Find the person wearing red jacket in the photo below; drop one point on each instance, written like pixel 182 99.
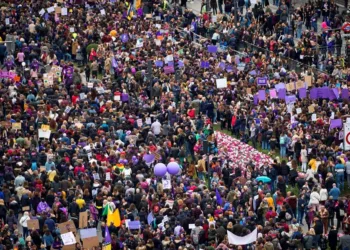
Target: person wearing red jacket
pixel 270 214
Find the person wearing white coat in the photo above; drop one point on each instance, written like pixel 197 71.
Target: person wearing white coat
pixel 24 223
pixel 323 195
pixel 315 200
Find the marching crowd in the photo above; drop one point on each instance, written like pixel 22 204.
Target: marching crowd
pixel 95 94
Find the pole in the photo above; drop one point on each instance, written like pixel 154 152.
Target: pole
pixel 235 2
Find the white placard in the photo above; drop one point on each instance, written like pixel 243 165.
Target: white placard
pixel 68 238
pixel 87 233
pixel 191 226
pixel 7 21
pixel 51 9
pixel 108 176
pixel 117 98
pixel 166 184
pixel 44 134
pixel 148 120
pixel 139 43
pixel 313 117
pixel 170 58
pixel 64 12
pixel 221 83
pixel 170 203
pixel 298 110
pixel 103 12
pixel 346 136
pixel 90 85
pixel 42 12
pixel 71 29
pixel 214 19
pixel 332 115
pixel 139 123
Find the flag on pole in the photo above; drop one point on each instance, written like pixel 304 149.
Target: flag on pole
pixel 116 216
pixel 106 210
pixel 150 218
pixel 218 198
pixel 107 236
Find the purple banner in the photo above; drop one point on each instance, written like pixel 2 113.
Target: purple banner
pixel 256 100
pixel 302 93
pixel 282 94
pixel 313 94
pixel 345 94
pixel 262 81
pixel 212 49
pixel 336 123
pixel 204 65
pixel 279 86
pixel 168 70
pixel 291 98
pixel 159 63
pixel 262 95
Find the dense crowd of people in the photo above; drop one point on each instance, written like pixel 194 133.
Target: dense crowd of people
pixel 94 94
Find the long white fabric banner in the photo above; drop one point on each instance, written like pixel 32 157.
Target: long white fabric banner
pixel 245 240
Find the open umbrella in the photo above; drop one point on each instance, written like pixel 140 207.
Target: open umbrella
pixel 263 179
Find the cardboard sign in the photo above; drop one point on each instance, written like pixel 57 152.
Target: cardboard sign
pixel 6 124
pixel 26 208
pixel 91 242
pixel 69 247
pixel 290 86
pixel 42 169
pixel 33 224
pixel 249 91
pixel 308 80
pixel 16 125
pixel 83 219
pixel 67 227
pixel 300 85
pixel 311 109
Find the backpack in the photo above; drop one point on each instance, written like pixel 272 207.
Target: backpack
pixel 201 237
pixel 282 140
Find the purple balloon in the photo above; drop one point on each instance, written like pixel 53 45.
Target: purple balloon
pixel 173 168
pixel 159 169
pixel 121 161
pixel 148 158
pixel 125 38
pixel 125 161
pixel 134 157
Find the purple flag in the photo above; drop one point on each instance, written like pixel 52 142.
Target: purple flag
pixel 134 224
pixel 181 64
pixel 107 235
pixel 140 12
pixel 171 63
pixel 150 218
pixel 218 198
pixel 291 98
pixel 168 69
pixel 331 95
pixel 159 63
pixel 344 94
pixel 336 92
pixel 256 100
pixel 282 94
pixel 229 68
pixel 262 95
pixel 336 123
pixel 212 49
pixel 222 65
pixel 302 93
pixel 253 73
pixel 313 94
pixel 204 65
pixel 323 92
pixel 262 81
